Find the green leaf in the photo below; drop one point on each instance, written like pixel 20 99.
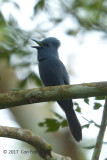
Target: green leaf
pixel 39 5
pixel 97 105
pixel 41 124
pixel 76 104
pixel 86 100
pixel 51 124
pixel 78 109
pixel 100 98
pixel 86 126
pixel 64 123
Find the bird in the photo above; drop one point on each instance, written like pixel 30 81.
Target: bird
pixel 52 73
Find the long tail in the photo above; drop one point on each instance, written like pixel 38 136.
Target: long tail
pixel 72 119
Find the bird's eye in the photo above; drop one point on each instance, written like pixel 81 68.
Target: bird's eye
pixel 46 44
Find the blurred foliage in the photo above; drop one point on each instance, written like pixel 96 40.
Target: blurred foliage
pixel 88 15
pixel 39 5
pixel 97 105
pixel 89 122
pixel 15 49
pixel 78 109
pixel 53 124
pixel 100 98
pixel 86 100
pixel 2 2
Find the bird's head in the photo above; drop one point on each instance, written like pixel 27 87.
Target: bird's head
pixel 47 43
pixel 47 48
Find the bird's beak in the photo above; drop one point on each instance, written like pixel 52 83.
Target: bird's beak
pixel 38 42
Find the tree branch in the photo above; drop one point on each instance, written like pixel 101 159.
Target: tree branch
pixel 43 149
pixel 100 137
pixel 44 94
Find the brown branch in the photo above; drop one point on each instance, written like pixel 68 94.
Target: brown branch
pixel 44 94
pixel 100 136
pixel 43 149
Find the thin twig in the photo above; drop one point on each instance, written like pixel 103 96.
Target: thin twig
pixel 100 137
pixel 91 121
pixel 92 146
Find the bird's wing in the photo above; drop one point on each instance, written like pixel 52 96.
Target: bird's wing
pixel 64 74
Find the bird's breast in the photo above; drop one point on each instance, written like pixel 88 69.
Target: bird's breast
pixel 50 72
